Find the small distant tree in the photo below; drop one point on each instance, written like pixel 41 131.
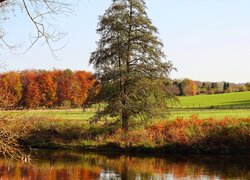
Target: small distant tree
pixel 203 85
pixel 242 88
pixel 189 87
pixel 214 85
pixel 247 86
pixel 174 88
pixel 226 87
pixel 129 64
pixel 193 87
pixel 214 89
pixel 203 88
pixel 180 87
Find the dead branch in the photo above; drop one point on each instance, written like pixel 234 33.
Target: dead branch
pixel 41 13
pixel 14 128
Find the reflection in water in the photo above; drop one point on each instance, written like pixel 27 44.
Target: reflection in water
pixel 72 165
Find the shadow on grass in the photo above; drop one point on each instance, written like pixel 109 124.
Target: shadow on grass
pixel 236 104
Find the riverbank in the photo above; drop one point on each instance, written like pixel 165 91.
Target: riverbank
pixel 193 136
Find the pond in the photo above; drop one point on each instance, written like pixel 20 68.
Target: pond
pixel 74 165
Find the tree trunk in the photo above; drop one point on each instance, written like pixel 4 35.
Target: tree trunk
pixel 125 116
pixel 124 120
pixel 124 113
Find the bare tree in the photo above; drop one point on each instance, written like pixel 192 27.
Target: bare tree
pixel 14 128
pixel 41 14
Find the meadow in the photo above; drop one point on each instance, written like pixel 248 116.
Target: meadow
pixel 236 100
pixel 235 105
pixel 195 130
pixel 78 114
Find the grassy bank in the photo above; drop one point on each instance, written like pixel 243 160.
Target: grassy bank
pixel 193 135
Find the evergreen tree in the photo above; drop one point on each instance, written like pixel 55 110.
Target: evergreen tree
pixel 203 86
pixel 129 63
pixel 214 85
pixel 226 87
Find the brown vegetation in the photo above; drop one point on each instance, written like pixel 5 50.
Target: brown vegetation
pixel 14 129
pixel 193 135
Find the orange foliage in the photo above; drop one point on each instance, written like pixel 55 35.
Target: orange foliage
pixel 193 87
pixel 227 133
pixel 10 89
pixel 31 92
pixel 32 89
pixel 47 88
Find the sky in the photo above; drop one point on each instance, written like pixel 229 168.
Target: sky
pixel 206 40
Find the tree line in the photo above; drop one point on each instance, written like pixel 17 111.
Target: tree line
pixel 188 87
pixel 32 89
pixel 38 88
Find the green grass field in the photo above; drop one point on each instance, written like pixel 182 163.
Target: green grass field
pixel 229 100
pixel 80 115
pixel 74 114
pixel 231 105
pixel 214 113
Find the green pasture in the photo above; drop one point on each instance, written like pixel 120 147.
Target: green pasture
pixel 228 100
pixel 223 105
pixel 74 114
pixel 185 113
pixel 214 113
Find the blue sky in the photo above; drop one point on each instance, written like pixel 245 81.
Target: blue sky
pixel 207 40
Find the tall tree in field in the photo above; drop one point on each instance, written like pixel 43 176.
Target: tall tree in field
pixel 129 63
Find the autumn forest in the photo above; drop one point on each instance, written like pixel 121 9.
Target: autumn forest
pixel 32 89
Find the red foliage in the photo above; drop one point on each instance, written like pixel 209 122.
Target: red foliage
pixel 64 81
pixel 31 89
pixel 47 88
pixel 31 92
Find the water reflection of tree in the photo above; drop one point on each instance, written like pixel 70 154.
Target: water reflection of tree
pixel 90 166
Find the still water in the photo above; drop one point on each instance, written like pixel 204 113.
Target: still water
pixel 74 165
